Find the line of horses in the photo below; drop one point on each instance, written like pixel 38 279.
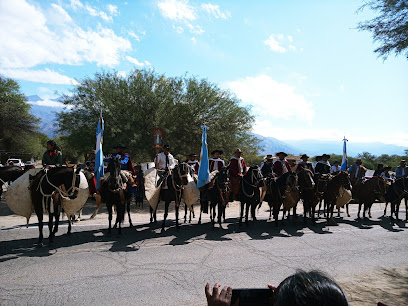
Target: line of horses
pixel 281 193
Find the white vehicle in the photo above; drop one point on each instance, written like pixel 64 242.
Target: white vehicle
pixel 14 162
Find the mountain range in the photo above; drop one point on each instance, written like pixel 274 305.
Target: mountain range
pixel 46 110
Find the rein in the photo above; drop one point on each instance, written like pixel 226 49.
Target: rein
pixel 250 184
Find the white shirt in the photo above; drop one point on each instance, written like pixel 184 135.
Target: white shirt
pixel 161 161
pixel 335 169
pixel 216 160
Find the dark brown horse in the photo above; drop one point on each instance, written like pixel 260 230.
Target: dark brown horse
pixel 321 181
pixel 332 193
pixel 249 193
pixel 307 193
pixel 47 188
pixel 397 191
pixel 10 174
pixel 367 191
pixel 175 184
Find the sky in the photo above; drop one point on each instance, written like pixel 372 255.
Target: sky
pixel 302 66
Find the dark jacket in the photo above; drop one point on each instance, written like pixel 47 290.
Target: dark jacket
pixel 52 158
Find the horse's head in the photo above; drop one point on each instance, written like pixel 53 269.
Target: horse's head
pixel 255 176
pixel 66 177
pixel 380 187
pixel 180 173
pixel 115 179
pixel 305 178
pixel 345 178
pixel 291 179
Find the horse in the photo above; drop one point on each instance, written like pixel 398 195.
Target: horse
pixel 10 174
pixel 176 180
pixel 276 192
pixel 332 193
pixel 395 193
pixel 321 181
pixel 47 189
pixel 249 194
pixel 367 191
pixel 307 193
pixel 113 193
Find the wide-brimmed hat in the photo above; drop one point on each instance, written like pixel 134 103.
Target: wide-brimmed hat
pixel 269 157
pixel 215 151
pixel 326 155
pixel 304 155
pixel 279 153
pixel 238 150
pixel 166 146
pixel 192 154
pixel 402 161
pixel 119 145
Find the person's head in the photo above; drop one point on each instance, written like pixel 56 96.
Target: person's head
pixel 359 161
pixel 192 156
pixel 281 155
pixel 269 158
pixel 216 153
pixel 325 157
pixel 51 145
pixel 318 158
pixel 238 152
pixel 336 163
pixel 93 154
pixel 119 148
pixel 304 157
pixel 309 288
pixel 402 163
pixel 386 169
pixel 380 166
pixel 166 149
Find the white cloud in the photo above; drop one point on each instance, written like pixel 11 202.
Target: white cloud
pixel 41 76
pixel 59 15
pixel 177 10
pixel 214 10
pixel 178 29
pixel 271 98
pixel 94 12
pixel 195 29
pixel 134 61
pixel 49 103
pixel 122 74
pixel 34 39
pixel 112 9
pixel 280 43
pixel 76 4
pixel 147 63
pixel 134 35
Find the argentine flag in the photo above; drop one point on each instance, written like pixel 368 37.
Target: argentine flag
pixel 344 159
pixel 99 170
pixel 204 170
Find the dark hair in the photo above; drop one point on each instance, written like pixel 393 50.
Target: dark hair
pixel 380 165
pixel 53 144
pixel 309 288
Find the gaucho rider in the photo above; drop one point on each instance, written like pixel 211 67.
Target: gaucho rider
pixel 193 162
pixel 215 162
pixel 164 162
pixel 281 165
pixel 53 155
pixel 237 169
pixel 128 171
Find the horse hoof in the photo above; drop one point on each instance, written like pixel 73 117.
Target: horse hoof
pixel 130 225
pixel 93 216
pixel 199 222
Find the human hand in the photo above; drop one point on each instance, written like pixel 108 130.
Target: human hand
pixel 221 299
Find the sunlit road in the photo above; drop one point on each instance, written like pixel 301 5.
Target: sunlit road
pixel 148 267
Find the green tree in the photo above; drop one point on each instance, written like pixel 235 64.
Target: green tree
pixel 132 106
pixel 17 125
pixel 389 28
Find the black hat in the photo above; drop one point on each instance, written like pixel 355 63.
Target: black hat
pixel 192 154
pixel 326 155
pixel 277 154
pixel 304 155
pixel 119 145
pixel 215 151
pixel 166 146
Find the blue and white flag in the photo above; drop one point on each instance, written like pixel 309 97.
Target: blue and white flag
pixel 344 159
pixel 99 170
pixel 204 170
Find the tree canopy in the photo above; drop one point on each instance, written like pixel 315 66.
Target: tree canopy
pixel 390 27
pixel 17 125
pixel 132 106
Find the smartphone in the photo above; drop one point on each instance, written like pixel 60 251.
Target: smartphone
pixel 252 296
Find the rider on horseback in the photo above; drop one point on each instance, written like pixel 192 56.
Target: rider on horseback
pixel 128 171
pixel 323 166
pixel 267 167
pixel 281 165
pixel 237 169
pixel 193 162
pixel 304 164
pixel 53 155
pixel 216 162
pixel 164 162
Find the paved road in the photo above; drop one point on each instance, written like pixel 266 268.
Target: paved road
pixel 149 267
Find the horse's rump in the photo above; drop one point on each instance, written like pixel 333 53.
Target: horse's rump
pixel 18 195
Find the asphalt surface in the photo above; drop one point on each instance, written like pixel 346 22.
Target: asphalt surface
pixel 146 266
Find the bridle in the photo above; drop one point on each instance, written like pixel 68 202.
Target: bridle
pixel 253 184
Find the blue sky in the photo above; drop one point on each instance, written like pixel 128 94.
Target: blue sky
pixel 302 65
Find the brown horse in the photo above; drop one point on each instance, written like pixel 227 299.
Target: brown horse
pixel 367 191
pixel 47 188
pixel 332 193
pixel 395 193
pixel 321 181
pixel 307 193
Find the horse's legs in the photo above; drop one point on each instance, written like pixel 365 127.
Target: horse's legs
pixel 369 210
pixel 185 213
pixel 313 214
pixel 153 215
pixel 338 212
pixel 253 211
pixel 406 209
pixel 397 206
pixel 50 226
pixel 177 215
pixel 166 212
pixel 40 216
pixel 109 207
pixel 320 206
pixel 359 209
pixel 247 204
pixel 347 209
pixel 128 211
pixel 385 209
pixel 241 213
pixel 270 211
pixel 201 211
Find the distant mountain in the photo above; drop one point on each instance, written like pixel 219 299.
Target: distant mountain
pixel 47 114
pixel 316 147
pixel 271 145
